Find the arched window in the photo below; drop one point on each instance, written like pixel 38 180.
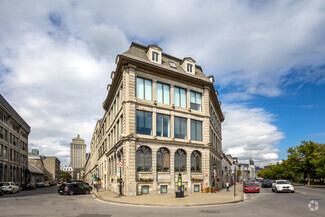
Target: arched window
pixel 196 162
pixel 180 161
pixel 163 163
pixel 144 159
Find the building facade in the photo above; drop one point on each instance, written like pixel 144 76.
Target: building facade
pixel 52 168
pixel 162 117
pixel 14 133
pixel 77 153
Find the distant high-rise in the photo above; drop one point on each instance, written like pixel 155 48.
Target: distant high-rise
pixel 77 153
pixel 35 152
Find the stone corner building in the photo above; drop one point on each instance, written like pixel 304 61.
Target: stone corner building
pixel 162 117
pixel 14 133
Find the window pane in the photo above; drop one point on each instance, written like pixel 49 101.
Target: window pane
pixel 198 130
pixel 183 128
pixel 159 125
pixel 163 189
pixel 145 189
pixel 198 101
pixel 166 94
pixel 159 161
pixel 147 90
pixel 140 88
pixel 196 188
pixel 159 92
pixel 177 129
pixel 193 130
pixel 183 98
pixel 166 126
pixel 140 122
pixel 176 96
pixel 148 123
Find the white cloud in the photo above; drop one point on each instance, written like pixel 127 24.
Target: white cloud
pixel 56 57
pixel 249 132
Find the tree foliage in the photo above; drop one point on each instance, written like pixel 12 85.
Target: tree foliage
pixel 305 162
pixel 65 176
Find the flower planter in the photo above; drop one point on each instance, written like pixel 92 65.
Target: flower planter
pixel 205 190
pixel 213 190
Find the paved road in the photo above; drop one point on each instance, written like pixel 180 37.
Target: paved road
pixel 47 202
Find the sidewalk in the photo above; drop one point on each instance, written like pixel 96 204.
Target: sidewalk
pixel 190 199
pixel 310 186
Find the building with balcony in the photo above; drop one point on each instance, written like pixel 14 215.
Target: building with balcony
pixel 14 133
pixel 162 117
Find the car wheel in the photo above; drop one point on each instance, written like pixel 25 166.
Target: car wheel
pixel 1 194
pixel 292 191
pixel 272 190
pixel 87 191
pixel 71 193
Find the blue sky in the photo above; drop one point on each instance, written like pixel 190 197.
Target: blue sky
pixel 267 58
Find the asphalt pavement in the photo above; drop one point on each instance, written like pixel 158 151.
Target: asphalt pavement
pixel 47 202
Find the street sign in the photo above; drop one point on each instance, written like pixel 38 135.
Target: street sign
pixel 120 164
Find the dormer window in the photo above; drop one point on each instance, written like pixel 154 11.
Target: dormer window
pixel 189 67
pixel 155 56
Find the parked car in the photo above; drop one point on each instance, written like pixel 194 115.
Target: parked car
pixel 46 184
pixel 9 187
pixel 282 186
pixel 266 183
pixel 251 187
pixel 73 188
pixel 79 181
pixel 29 186
pixel 40 184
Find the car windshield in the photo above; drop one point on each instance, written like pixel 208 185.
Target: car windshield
pixel 267 181
pixel 283 182
pixel 4 184
pixel 251 184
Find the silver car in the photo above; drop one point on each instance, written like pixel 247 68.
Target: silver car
pixel 9 187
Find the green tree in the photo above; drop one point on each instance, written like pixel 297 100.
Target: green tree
pixel 65 176
pixel 304 159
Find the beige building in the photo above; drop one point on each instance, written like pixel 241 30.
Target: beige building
pixel 14 133
pixel 77 153
pixel 36 161
pixel 52 168
pixel 162 117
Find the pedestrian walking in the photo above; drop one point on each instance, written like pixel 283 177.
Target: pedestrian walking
pixel 227 185
pixel 96 185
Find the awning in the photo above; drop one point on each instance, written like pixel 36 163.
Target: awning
pixel 27 170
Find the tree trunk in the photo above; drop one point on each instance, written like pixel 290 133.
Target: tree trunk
pixel 308 179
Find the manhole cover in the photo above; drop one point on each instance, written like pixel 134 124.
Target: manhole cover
pixel 210 211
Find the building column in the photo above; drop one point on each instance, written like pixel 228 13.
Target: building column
pixel 154 170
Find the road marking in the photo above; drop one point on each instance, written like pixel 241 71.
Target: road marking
pixel 301 192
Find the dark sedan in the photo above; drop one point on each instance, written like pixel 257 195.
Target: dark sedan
pixel 29 186
pixel 266 183
pixel 73 188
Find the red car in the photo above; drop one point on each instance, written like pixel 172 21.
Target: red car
pixel 251 187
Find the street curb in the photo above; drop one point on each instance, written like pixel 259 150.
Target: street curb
pixel 137 204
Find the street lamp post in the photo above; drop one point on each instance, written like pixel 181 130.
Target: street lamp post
pixel 235 181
